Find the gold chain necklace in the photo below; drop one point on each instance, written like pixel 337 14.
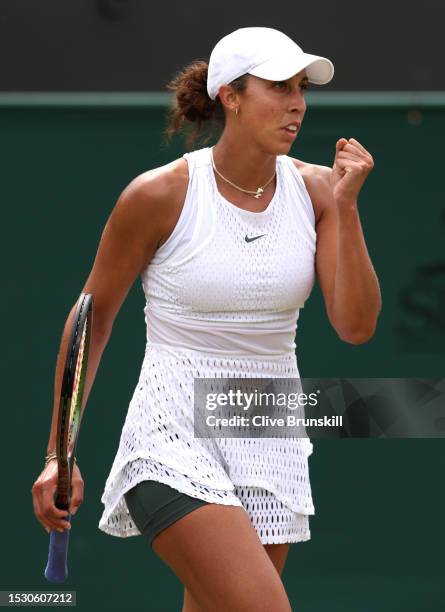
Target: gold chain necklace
pixel 256 194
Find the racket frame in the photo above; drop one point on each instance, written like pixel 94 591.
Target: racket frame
pixel 57 567
pixel 66 461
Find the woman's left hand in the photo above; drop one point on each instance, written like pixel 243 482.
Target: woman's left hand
pixel 352 164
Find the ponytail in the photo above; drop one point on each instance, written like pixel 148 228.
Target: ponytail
pixel 194 106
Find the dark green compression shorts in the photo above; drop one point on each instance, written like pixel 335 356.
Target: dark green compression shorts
pixel 154 506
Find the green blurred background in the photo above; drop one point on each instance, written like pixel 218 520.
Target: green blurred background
pixel 377 536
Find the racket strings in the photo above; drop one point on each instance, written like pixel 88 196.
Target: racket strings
pixel 78 384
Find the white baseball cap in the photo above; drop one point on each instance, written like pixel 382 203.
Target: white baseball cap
pixel 265 53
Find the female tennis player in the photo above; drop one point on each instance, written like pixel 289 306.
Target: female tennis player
pixel 227 241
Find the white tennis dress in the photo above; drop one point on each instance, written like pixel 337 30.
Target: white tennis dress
pixel 221 302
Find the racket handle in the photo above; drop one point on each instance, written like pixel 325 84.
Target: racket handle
pixel 57 566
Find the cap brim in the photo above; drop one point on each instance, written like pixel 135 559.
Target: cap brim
pixel 319 70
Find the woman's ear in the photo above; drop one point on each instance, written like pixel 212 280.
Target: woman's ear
pixel 229 98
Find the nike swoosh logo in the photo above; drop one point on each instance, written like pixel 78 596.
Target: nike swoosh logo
pixel 247 239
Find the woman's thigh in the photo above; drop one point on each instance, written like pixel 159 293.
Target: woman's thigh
pixel 216 553
pixel 214 549
pixel 277 554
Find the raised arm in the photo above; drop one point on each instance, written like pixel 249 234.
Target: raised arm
pixel 344 269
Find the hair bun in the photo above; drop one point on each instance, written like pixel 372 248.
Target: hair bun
pixel 190 87
pixel 192 102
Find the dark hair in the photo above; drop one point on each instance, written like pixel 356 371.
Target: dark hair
pixel 192 104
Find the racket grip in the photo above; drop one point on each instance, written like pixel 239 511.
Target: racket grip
pixel 57 567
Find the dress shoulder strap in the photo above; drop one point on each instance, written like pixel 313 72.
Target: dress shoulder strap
pixel 299 199
pixel 196 220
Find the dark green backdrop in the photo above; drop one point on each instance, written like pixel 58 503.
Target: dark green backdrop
pixel 377 538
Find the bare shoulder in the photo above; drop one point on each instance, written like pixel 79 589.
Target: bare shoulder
pixel 317 180
pixel 132 234
pixel 154 199
pixel 159 182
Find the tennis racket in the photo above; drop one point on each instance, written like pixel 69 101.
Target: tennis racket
pixel 70 415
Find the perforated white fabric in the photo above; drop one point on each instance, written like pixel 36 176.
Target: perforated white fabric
pixel 205 274
pixel 209 289
pixel 272 520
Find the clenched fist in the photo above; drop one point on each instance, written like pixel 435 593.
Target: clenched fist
pixel 352 164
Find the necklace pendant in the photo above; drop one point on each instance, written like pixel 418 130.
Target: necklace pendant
pixel 259 193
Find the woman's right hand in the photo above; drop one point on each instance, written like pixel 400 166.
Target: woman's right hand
pixel 43 493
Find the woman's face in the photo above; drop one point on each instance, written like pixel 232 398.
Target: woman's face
pixel 267 108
